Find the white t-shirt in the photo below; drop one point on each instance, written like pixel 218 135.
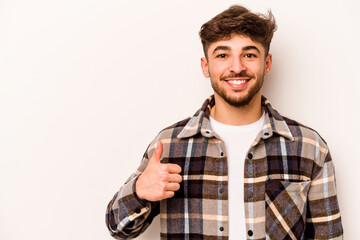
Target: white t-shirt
pixel 238 140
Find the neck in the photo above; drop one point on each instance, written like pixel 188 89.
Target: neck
pixel 237 116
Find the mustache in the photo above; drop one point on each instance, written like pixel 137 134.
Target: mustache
pixel 237 75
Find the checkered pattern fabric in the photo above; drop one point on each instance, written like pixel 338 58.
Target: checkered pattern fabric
pixel 289 185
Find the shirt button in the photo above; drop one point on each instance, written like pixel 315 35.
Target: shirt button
pixel 221 229
pixel 250 233
pixel 250 156
pixel 250 194
pixel 222 154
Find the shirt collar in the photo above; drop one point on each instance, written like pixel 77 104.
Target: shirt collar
pixel 200 122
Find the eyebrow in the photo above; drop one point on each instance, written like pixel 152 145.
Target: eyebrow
pixel 221 47
pixel 251 47
pixel 227 48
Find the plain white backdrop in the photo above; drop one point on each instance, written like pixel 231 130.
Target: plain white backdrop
pixel 85 85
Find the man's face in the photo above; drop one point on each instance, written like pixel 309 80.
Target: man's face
pixel 236 68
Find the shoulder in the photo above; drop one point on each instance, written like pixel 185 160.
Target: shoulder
pixel 167 136
pixel 309 145
pixel 290 127
pixel 173 130
pixel 301 131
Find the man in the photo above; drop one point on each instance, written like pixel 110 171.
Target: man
pixel 237 169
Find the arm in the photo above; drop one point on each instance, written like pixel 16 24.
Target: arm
pixel 133 208
pixel 127 216
pixel 323 214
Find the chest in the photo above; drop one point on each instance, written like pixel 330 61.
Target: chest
pixel 205 161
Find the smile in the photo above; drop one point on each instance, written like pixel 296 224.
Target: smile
pixel 237 83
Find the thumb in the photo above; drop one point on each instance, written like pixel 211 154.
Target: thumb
pixel 158 152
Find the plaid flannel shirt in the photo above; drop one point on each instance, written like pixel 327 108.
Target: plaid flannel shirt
pixel 289 184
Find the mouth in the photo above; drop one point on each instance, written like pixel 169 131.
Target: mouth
pixel 237 83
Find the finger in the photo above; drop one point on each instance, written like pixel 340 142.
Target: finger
pixel 172 168
pixel 172 186
pixel 169 194
pixel 174 178
pixel 158 152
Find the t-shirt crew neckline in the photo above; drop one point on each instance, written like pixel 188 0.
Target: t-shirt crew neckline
pixel 242 128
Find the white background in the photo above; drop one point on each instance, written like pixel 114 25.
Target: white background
pixel 85 85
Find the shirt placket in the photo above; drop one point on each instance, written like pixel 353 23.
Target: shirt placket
pixel 249 193
pixel 223 223
pixel 252 226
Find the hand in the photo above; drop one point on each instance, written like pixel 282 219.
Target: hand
pixel 159 181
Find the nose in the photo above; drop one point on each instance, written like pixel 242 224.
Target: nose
pixel 237 66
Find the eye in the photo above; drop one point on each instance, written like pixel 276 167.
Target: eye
pixel 223 55
pixel 250 55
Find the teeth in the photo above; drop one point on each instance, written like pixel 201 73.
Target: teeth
pixel 237 81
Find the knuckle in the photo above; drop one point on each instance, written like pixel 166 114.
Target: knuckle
pixel 164 176
pixel 161 194
pixel 164 167
pixel 162 186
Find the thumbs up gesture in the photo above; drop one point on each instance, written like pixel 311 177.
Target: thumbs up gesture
pixel 159 181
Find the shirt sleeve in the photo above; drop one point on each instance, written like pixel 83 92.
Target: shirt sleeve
pixel 127 216
pixel 323 219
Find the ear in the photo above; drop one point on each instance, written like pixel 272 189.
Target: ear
pixel 268 63
pixel 204 67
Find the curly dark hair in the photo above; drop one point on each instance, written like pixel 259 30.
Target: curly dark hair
pixel 238 20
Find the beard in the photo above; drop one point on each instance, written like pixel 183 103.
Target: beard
pixel 243 99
